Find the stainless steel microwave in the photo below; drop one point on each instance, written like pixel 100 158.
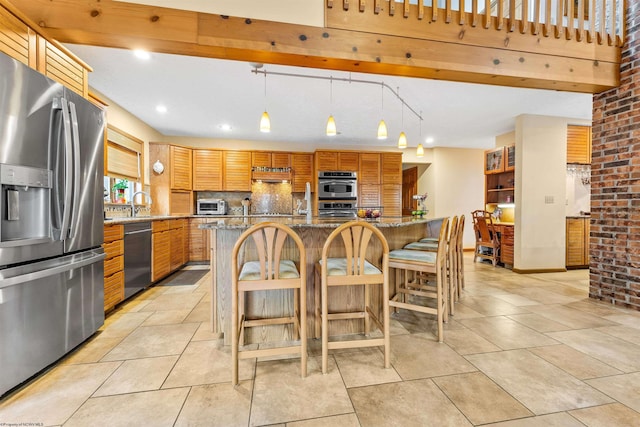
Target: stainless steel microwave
pixel 211 207
pixel 337 185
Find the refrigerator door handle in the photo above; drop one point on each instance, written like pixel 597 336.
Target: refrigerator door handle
pixel 76 170
pixel 68 166
pixel 39 272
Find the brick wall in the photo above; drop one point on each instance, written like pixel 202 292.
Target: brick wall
pixel 615 180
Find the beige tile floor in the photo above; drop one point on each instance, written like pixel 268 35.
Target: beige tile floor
pixel 521 350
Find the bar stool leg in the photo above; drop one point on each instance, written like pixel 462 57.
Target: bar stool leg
pixel 325 324
pixel 367 304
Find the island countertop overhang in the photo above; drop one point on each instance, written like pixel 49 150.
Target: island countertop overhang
pixel 302 222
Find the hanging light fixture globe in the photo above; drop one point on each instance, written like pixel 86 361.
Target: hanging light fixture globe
pixel 420 151
pixel 265 123
pixel 402 140
pixel 331 127
pixel 382 130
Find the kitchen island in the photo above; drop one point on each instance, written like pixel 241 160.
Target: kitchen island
pixel 225 232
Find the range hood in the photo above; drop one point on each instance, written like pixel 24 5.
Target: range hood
pixel 266 174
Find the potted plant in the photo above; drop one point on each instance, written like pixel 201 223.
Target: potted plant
pixel 118 190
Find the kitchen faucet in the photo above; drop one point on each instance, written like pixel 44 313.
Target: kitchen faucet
pixel 307 198
pixel 133 209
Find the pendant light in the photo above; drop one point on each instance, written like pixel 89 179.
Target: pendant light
pixel 265 121
pixel 420 148
pixel 382 126
pixel 331 123
pixel 402 139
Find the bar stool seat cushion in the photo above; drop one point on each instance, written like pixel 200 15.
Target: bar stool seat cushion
pixel 413 255
pixel 338 267
pixel 429 240
pixel 422 246
pixel 251 270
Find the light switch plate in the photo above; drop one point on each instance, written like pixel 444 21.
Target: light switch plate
pixel 548 200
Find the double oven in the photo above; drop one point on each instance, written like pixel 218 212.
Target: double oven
pixel 337 194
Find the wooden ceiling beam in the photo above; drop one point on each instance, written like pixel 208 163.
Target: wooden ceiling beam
pixel 129 26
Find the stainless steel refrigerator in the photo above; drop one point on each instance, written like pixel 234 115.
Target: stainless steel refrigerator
pixel 51 221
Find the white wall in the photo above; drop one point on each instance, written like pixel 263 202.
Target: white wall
pixel 455 183
pixel 125 121
pixel 540 193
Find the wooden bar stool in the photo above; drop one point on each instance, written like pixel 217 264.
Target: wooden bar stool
pixel 269 272
pixel 352 269
pixel 487 243
pixel 451 282
pixel 420 262
pixel 460 255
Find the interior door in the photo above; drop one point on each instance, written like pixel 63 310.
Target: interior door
pixel 409 188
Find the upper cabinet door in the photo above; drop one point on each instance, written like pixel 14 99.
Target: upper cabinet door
pixel 260 159
pixel 391 168
pixel 579 144
pixel 494 160
pixel 348 161
pixel 326 161
pixel 302 165
pixel 207 170
pixel 16 39
pixel 280 160
pixel 369 169
pixel 181 163
pixel 237 170
pixel 510 161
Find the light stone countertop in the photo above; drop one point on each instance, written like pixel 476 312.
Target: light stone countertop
pixel 302 222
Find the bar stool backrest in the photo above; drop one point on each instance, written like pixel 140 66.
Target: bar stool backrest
pixel 356 236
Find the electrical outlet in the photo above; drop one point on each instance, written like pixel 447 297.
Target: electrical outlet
pixel 548 200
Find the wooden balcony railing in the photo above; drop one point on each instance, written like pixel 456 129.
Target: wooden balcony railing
pixel 590 21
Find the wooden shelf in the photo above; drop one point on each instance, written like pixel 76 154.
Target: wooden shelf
pixel 501 189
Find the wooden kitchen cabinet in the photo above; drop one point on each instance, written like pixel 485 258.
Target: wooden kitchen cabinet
pixel 270 159
pixel 326 160
pixel 199 241
pixel 369 195
pixel 302 168
pixel 494 160
pixel 369 169
pixel 391 198
pixel 160 250
pixel 16 39
pixel 577 242
pixel 391 167
pixel 348 161
pixel 181 163
pixel 506 243
pixel 579 144
pixel 23 40
pixel 58 66
pixel 237 170
pixel 207 170
pixel 176 232
pixel 499 178
pixel 113 265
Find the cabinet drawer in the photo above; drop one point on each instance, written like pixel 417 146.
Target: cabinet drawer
pixel 113 290
pixel 113 265
pixel 157 226
pixel 176 223
pixel 114 248
pixel 113 232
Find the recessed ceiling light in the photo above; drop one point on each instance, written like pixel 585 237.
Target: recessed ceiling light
pixel 142 54
pixel 161 109
pixel 225 127
pixel 429 140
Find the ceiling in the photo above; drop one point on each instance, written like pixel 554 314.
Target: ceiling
pixel 202 94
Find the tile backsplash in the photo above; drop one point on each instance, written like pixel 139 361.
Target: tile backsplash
pixel 269 197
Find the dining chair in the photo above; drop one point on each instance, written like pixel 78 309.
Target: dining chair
pixel 265 241
pixel 344 263
pixel 487 242
pixel 413 294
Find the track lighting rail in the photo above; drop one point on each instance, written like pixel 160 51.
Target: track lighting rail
pixel 255 70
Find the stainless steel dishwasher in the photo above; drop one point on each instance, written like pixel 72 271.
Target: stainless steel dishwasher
pixel 137 257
